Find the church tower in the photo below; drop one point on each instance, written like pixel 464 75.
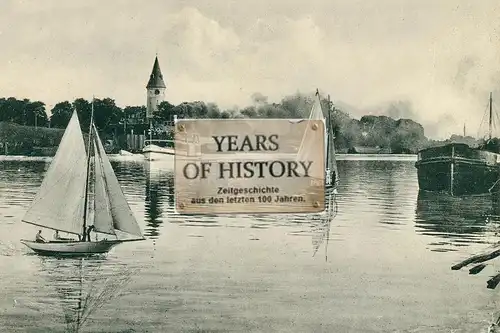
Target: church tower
pixel 155 90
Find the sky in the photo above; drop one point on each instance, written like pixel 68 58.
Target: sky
pixel 432 61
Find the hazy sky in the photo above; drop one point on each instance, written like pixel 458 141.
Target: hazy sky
pixel 435 60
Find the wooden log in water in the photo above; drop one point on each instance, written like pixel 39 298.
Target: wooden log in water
pixel 477 259
pixel 476 269
pixel 493 282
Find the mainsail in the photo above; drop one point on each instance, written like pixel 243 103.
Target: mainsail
pixel 59 202
pixel 115 213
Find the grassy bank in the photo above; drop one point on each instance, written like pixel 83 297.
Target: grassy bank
pixel 28 140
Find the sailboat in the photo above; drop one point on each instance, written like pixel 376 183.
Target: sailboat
pixel 322 222
pixel 307 145
pixel 63 200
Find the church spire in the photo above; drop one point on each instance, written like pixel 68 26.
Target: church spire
pixel 156 78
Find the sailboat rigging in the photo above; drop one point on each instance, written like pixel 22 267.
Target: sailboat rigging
pixel 62 202
pixel 85 207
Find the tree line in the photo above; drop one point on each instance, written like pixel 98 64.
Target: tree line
pixel 403 135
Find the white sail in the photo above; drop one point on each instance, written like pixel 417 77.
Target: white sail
pixel 308 146
pixel 59 202
pixel 123 218
pixel 103 221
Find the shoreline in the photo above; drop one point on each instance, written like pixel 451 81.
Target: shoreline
pixel 140 157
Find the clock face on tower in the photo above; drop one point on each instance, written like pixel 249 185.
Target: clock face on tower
pixel 157 92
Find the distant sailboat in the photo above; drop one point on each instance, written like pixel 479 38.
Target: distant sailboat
pixel 63 199
pixel 308 147
pixel 322 221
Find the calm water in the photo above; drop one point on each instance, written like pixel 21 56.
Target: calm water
pixel 386 267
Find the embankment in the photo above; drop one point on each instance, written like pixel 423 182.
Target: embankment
pixel 28 140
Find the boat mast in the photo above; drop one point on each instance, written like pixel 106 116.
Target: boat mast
pixel 491 113
pixel 85 207
pixel 328 130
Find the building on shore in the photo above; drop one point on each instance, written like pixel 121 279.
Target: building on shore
pixel 155 90
pixel 143 123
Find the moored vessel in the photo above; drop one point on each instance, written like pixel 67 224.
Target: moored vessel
pixel 155 152
pixel 459 169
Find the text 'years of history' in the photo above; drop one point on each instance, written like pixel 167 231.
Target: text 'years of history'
pixel 249 166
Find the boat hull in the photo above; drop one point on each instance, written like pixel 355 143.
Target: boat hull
pixel 157 153
pixel 71 248
pixel 457 169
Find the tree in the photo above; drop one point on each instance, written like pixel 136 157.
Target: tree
pixel 407 137
pixel 191 110
pixel 84 110
pixel 14 110
pixel 134 112
pixel 106 114
pixel 61 114
pixel 402 135
pixel 166 111
pixel 7 109
pixel 299 105
pixel 35 114
pixel 213 111
pixel 250 112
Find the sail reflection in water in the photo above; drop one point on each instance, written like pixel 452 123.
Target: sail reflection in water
pixel 458 221
pixel 321 222
pixel 84 285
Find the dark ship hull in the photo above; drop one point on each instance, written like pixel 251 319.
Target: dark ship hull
pixel 457 169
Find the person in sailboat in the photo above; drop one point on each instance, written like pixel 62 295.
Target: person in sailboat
pixel 39 238
pixel 86 235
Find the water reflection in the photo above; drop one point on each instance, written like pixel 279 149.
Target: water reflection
pixel 379 208
pixel 83 285
pixel 159 193
pixel 160 207
pixel 457 221
pixel 382 192
pixel 321 223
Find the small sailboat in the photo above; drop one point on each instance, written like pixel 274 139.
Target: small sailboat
pixel 63 200
pixel 307 146
pixel 323 221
